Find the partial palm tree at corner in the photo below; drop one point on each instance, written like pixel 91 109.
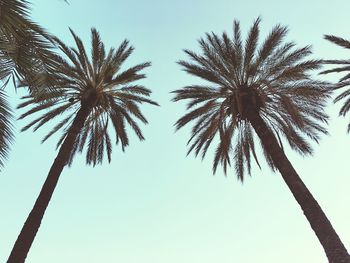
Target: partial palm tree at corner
pixel 25 53
pixel 344 67
pixel 261 91
pixel 95 93
pixel 25 47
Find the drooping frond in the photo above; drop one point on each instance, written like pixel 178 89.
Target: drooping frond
pixel 273 80
pixel 6 128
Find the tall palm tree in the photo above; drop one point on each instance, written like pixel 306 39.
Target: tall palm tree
pixel 264 90
pixel 345 80
pixel 25 53
pixel 95 92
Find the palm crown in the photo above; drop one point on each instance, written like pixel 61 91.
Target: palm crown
pixel 98 84
pixel 272 80
pixel 24 53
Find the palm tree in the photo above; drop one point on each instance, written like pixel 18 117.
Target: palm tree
pixel 95 93
pixel 344 81
pixel 265 91
pixel 25 53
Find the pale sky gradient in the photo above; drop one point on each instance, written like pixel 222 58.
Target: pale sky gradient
pixel 153 204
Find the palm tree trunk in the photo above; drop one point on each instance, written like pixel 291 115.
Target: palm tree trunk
pixel 332 245
pixel 31 226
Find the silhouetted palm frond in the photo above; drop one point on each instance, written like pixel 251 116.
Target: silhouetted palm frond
pixel 345 80
pixel 6 129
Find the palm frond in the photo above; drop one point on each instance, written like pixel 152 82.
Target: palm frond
pixel 251 44
pixel 6 128
pixel 344 81
pixel 338 41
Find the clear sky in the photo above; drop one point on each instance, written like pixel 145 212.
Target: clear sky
pixel 153 204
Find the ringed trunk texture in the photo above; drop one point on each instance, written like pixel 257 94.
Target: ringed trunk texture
pixel 332 245
pixel 31 226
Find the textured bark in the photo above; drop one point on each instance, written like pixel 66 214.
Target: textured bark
pixel 332 245
pixel 31 226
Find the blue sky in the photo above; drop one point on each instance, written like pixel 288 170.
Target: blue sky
pixel 152 203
